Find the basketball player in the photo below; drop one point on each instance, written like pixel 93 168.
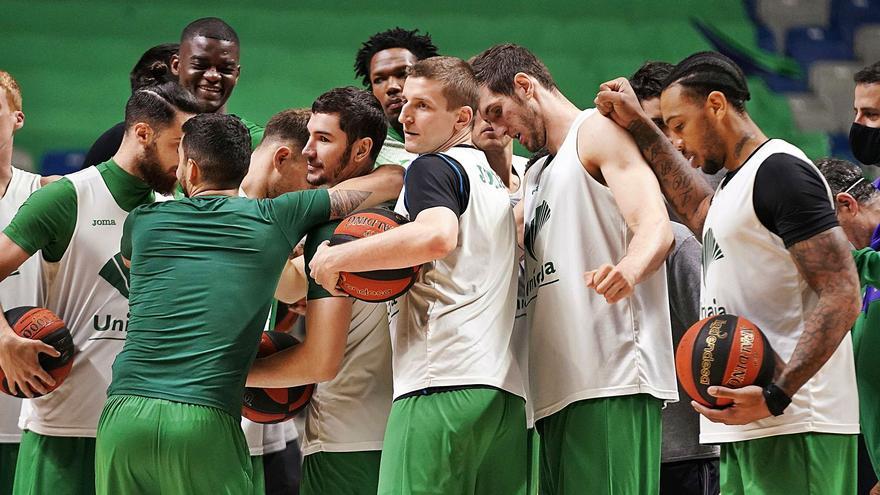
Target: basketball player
pixel 381 62
pixel 686 466
pixel 207 65
pixel 74 222
pixel 24 286
pixel 154 67
pixel 347 346
pixel 596 236
pixel 457 424
pixel 772 253
pixel 864 135
pixel 177 384
pixel 858 211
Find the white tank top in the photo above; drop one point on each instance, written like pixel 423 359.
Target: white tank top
pixel 747 271
pixel 88 289
pixel 349 412
pixel 455 325
pixel 580 346
pixel 24 287
pixel 520 329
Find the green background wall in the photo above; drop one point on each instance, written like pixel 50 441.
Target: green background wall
pixel 72 58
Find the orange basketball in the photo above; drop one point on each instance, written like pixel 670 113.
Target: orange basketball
pixel 42 324
pixel 376 285
pixel 274 405
pixel 725 350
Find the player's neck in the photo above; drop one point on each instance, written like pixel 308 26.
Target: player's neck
pixel 463 136
pixel 208 190
pixel 501 161
pixel 743 139
pixel 126 157
pixel 563 112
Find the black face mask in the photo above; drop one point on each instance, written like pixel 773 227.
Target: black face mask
pixel 865 143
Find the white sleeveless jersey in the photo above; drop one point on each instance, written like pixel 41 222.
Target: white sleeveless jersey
pixel 349 412
pixel 23 287
pixel 520 329
pixel 747 271
pixel 88 289
pixel 455 325
pixel 580 346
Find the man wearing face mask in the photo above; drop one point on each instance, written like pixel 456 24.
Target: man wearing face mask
pixel 864 136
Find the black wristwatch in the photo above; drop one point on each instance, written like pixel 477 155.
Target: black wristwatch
pixel 777 400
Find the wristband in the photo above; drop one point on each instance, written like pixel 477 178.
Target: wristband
pixel 777 400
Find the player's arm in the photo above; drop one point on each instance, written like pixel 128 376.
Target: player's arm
pixel 638 197
pixel 292 286
pixel 436 196
pixel 682 185
pixel 44 222
pixel 381 185
pixel 328 319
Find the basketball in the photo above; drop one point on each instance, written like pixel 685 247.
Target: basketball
pixel 378 285
pixel 725 350
pixel 274 405
pixel 42 324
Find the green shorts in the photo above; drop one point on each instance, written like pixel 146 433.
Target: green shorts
pixel 8 456
pixel 259 475
pixel 341 473
pixel 602 446
pixel 148 446
pixel 534 462
pixel 803 464
pixel 56 465
pixel 469 441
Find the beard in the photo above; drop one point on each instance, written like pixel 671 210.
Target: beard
pixel 332 178
pixel 152 173
pixel 536 129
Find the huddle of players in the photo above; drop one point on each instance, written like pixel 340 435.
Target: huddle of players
pixel 590 347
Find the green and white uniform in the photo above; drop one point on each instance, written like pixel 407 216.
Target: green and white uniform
pixel 469 436
pixel 393 152
pixel 23 287
pixel 581 348
pixel 76 222
pixel 191 343
pixel 866 341
pixel 344 424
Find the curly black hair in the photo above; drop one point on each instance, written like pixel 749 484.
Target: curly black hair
pixel 419 45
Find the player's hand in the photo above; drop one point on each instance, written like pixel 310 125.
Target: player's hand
pixel 613 282
pixel 617 101
pixel 875 490
pixel 19 359
pixel 323 272
pixel 748 405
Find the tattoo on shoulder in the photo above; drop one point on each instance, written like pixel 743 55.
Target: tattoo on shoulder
pixel 345 201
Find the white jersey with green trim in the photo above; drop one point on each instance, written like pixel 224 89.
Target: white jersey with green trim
pixel 748 271
pixel 581 347
pixel 23 287
pixel 393 153
pixel 88 289
pixel 349 412
pixel 454 326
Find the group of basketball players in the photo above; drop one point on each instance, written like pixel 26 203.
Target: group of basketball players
pixel 535 350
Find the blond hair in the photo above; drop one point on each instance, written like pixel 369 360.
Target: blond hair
pixel 13 91
pixel 454 75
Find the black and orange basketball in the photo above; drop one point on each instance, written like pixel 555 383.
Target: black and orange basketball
pixel 378 285
pixel 42 324
pixel 274 405
pixel 725 350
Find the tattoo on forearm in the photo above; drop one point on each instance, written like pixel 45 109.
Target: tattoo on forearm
pixel 827 265
pixel 686 192
pixel 345 201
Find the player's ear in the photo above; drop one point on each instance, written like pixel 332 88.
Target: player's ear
pixel 19 120
pixel 362 149
pixel 192 171
pixel 523 85
pixel 280 157
pixel 144 133
pixel 717 103
pixel 175 64
pixel 847 204
pixel 465 118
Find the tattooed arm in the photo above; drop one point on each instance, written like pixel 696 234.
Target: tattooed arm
pixel 383 184
pixel 686 191
pixel 826 263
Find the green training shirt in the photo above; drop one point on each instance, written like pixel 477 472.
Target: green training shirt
pixel 315 238
pixel 866 344
pixel 203 274
pixel 255 130
pixel 47 219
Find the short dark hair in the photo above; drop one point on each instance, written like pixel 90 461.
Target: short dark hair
pixel 842 175
pixel 288 126
pixel 221 145
pixel 868 75
pixel 648 81
pixel 158 105
pixel 209 27
pixel 360 115
pixel 704 72
pixel 497 66
pixel 419 45
pixel 455 75
pixel 154 66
